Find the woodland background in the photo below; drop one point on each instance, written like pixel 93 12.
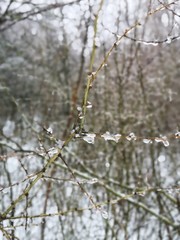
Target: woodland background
pixel 65 171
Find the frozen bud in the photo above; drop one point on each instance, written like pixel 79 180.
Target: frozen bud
pixel 142 194
pixel 92 181
pixel 104 214
pixel 73 131
pixel 107 164
pixel 146 140
pixel 117 137
pixel 169 39
pixel 59 143
pixel 165 142
pixel 163 139
pixel 113 137
pixel 77 135
pixel 89 105
pixel 52 151
pixel 79 109
pixel 131 137
pixel 107 136
pixel 49 130
pixel 158 139
pixel 104 65
pixel 89 138
pixel 93 74
pixel 80 116
pixel 177 134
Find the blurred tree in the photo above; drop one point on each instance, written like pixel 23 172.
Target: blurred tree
pixel 79 72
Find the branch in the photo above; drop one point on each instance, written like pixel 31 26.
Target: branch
pixel 16 17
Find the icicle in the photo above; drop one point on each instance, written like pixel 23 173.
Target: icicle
pixel 149 43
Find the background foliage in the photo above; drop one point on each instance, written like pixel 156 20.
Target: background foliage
pixel 73 73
